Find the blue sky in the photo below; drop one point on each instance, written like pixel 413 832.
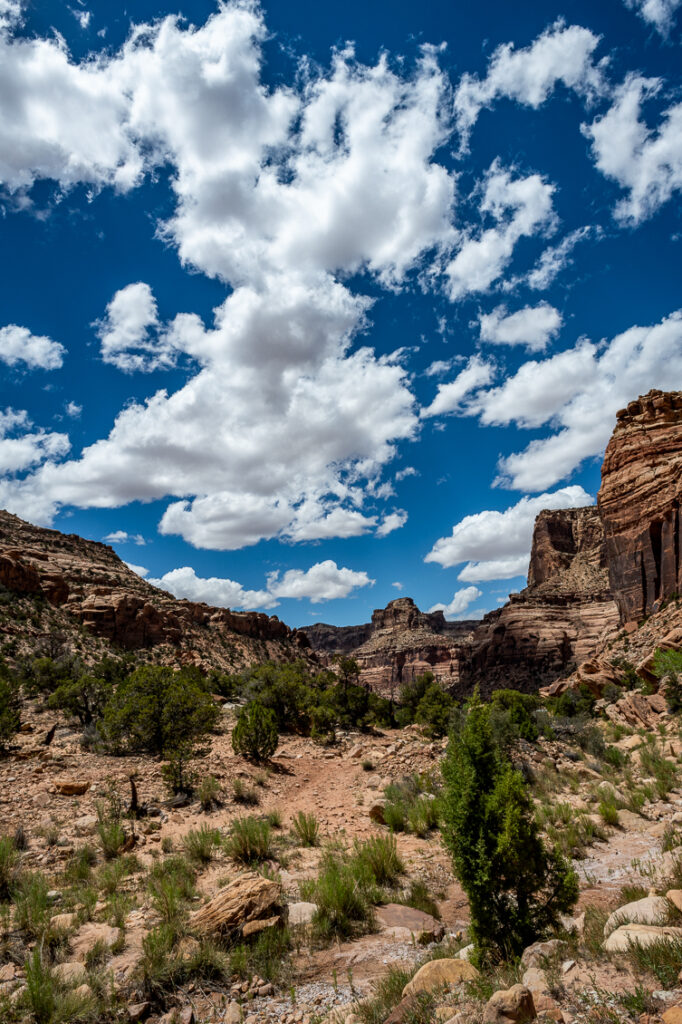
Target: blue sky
pixel 306 307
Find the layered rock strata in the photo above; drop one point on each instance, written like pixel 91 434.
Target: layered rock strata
pixel 76 589
pixel 556 622
pixel 399 644
pixel 639 503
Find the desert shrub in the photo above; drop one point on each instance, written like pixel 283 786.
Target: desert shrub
pixel 200 844
pixel 245 794
pixel 159 967
pixel 9 867
pixel 516 886
pixel 250 840
pixel 209 793
pixel 411 805
pixel 267 956
pixel 84 697
pixel 306 829
pixel 419 897
pixel 176 773
pixel 171 886
pixel 434 711
pixel 274 817
pixel 343 909
pixel 654 763
pixel 110 830
pixel 409 696
pixel 663 959
pixel 32 910
pixel 48 1001
pixel 668 668
pixel 395 815
pixel 387 992
pixel 255 734
pixel 10 718
pixel 380 855
pixel 158 710
pixel 608 810
pixel 573 703
pixel 512 717
pixel 615 757
pixel 81 863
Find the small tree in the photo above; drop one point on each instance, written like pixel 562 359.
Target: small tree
pixel 9 708
pixel 83 697
pixel 158 710
pixel 434 711
pixel 668 669
pixel 516 886
pixel 255 734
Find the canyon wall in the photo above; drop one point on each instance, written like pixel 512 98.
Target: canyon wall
pixel 639 503
pixel 80 591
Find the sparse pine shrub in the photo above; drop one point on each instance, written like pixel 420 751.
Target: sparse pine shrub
pixel 79 867
pixel 41 988
pixel 158 710
pixel 176 773
pixel 255 734
pixel 305 829
pixel 84 697
pixel 10 718
pixel 512 717
pixel 608 810
pixel 516 886
pixel 434 711
pixel 250 840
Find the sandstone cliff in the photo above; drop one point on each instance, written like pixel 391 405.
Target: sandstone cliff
pixel 400 643
pixel 60 590
pixel 557 621
pixel 639 503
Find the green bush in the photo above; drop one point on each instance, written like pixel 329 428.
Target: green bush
pixel 516 887
pixel 209 793
pixel 668 669
pixel 10 718
pixel 343 909
pixel 32 912
pixel 255 734
pixel 84 697
pixel 9 867
pixel 379 854
pixel 250 840
pixel 158 710
pixel 200 844
pixel 434 711
pixel 512 716
pixel 305 829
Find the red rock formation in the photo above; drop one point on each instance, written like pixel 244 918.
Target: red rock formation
pixel 399 644
pixel 639 502
pixel 557 621
pixel 90 587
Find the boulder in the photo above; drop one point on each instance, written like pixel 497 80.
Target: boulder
pixel 376 810
pixel 71 973
pixel 301 913
pixel 72 787
pixel 137 1012
pixel 675 897
pixel 640 935
pixel 249 898
pixel 510 1006
pixel 440 974
pixel 400 1013
pixel 540 952
pixel 90 935
pixel 672 1015
pixel 423 926
pixel 650 910
pixel 545 1004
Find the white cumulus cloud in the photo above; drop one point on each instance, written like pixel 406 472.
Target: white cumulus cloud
pixel 522 207
pixel 18 345
pixel 129 332
pixel 461 600
pixel 123 537
pixel 392 521
pixel 324 581
pixel 647 163
pixel 450 397
pixel 659 13
pixel 579 392
pixel 562 54
pixel 496 545
pixel 532 326
pixel 26 450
